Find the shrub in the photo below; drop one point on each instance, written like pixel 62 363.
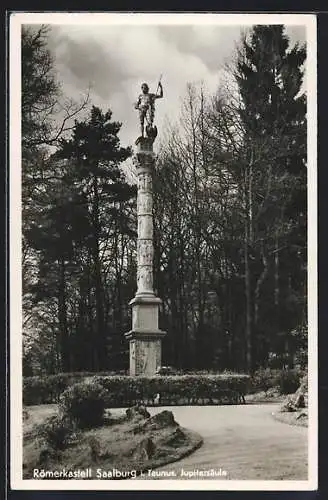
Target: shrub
pixel 264 379
pixel 289 381
pixel 35 391
pixel 277 361
pixel 286 380
pixel 56 431
pixel 84 404
pixel 301 359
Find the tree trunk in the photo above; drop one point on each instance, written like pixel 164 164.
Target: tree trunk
pixel 248 280
pixel 259 284
pixel 276 276
pixel 62 317
pixel 101 351
pixel 248 306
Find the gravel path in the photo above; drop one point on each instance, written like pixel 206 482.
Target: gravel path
pixel 246 442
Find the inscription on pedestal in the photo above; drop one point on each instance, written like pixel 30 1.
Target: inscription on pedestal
pixel 148 357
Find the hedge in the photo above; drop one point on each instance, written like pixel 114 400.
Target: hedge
pixel 47 389
pixel 226 388
pixel 175 389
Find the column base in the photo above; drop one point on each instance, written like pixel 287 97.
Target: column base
pixel 145 298
pixel 145 351
pixel 145 312
pixel 145 338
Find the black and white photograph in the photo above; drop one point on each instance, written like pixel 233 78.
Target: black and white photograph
pixel 163 272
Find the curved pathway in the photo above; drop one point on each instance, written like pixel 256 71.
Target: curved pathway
pixel 244 441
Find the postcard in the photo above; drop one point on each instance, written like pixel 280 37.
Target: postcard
pixel 163 268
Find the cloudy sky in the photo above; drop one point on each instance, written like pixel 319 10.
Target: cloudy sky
pixel 115 59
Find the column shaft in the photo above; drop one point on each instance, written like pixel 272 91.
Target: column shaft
pixel 145 336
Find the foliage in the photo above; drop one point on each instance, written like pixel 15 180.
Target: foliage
pixel 286 380
pixel 46 116
pixel 269 75
pixel 299 399
pixel 84 404
pixel 289 381
pixel 40 89
pixel 47 389
pixel 264 379
pixel 78 228
pixel 123 390
pixel 56 431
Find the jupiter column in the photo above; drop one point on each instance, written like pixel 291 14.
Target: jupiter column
pixel 145 336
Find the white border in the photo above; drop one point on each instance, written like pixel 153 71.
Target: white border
pixel 311 68
pixel 15 254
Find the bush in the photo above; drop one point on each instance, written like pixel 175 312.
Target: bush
pixel 286 380
pixel 56 431
pixel 264 379
pixel 35 391
pixel 289 381
pixel 84 404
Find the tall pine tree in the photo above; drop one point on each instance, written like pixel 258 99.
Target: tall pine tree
pixel 94 155
pixel 269 75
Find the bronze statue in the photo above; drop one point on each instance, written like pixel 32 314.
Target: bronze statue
pixel 146 106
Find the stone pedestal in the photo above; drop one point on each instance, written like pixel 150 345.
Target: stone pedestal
pixel 145 336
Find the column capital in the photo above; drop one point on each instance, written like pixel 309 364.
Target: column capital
pixel 144 156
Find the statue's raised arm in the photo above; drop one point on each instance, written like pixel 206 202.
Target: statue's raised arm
pixel 146 106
